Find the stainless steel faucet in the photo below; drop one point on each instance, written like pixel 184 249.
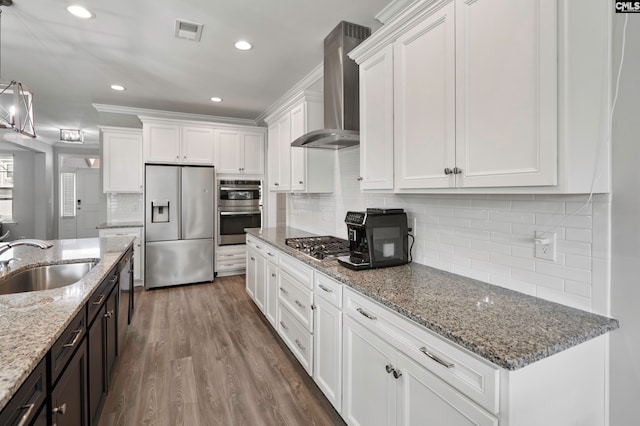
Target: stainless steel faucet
pixel 33 243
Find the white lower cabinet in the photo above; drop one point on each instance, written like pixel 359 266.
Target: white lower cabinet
pixel 369 390
pixel 231 260
pixel 379 368
pixel 327 350
pixel 423 399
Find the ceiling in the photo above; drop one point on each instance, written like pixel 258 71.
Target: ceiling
pixel 69 63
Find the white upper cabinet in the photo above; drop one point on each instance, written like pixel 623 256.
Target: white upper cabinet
pixel 376 121
pixel 122 159
pixel 506 95
pixel 309 170
pixel 425 102
pixel 197 145
pixel 240 151
pixel 488 97
pixel 174 143
pixel 279 154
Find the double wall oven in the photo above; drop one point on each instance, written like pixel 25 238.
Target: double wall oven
pixel 239 207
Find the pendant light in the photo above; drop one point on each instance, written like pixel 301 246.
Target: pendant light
pixel 16 100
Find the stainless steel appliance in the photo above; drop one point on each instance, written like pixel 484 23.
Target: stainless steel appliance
pixel 341 91
pixel 179 225
pixel 239 207
pixel 377 238
pixel 323 247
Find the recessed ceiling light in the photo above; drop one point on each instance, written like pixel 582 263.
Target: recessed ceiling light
pixel 216 99
pixel 80 11
pixel 118 87
pixel 243 45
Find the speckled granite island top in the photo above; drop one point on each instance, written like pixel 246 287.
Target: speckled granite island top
pixel 31 322
pixel 508 328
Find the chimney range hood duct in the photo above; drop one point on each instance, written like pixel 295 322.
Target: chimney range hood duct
pixel 341 91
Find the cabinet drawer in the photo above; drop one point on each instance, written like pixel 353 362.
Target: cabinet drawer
pixel 100 295
pixel 271 254
pixel 298 339
pixel 476 378
pixel 328 288
pixel 65 346
pixel 135 232
pixel 255 243
pixel 26 402
pixel 298 270
pixel 297 298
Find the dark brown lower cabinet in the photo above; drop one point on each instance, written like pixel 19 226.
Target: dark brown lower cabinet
pixel 70 394
pixel 96 362
pixel 101 347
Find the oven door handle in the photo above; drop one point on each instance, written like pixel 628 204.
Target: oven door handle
pixel 239 188
pixel 239 213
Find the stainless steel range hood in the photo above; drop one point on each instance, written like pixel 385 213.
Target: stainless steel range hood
pixel 341 92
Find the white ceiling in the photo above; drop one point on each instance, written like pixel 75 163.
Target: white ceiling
pixel 69 63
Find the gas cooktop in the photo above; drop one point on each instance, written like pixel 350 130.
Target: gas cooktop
pixel 323 247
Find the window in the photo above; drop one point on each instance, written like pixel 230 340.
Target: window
pixel 68 194
pixel 6 187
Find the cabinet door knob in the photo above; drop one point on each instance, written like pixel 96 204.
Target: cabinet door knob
pixel 457 171
pixel 389 368
pixel 359 178
pixel 448 171
pixel 397 373
pixel 61 409
pixel 276 184
pixel 300 182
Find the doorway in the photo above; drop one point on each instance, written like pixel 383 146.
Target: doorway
pixel 79 192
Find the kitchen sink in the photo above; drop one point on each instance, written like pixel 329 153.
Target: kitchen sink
pixel 45 277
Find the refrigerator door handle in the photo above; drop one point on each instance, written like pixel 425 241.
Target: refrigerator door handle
pixel 181 205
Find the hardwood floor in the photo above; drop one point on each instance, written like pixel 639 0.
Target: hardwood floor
pixel 204 355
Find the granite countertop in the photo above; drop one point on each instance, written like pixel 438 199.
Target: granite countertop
pixel 31 322
pixel 508 328
pixel 108 225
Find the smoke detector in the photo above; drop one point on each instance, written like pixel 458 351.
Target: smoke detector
pixel 188 30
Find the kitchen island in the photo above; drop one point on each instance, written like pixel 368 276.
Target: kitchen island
pixel 31 322
pixel 378 341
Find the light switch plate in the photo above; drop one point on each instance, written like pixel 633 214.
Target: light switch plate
pixel 545 244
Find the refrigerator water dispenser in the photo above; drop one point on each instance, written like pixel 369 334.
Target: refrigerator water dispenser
pixel 159 211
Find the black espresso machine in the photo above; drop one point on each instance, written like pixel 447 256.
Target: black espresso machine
pixel 377 238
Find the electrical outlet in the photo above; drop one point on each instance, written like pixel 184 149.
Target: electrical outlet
pixel 545 243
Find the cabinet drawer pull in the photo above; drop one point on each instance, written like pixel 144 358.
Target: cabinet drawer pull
pixel 25 416
pixel 109 314
pixel 366 314
pixel 113 279
pixel 299 182
pixel 297 302
pixel 436 358
pixel 61 409
pixel 99 301
pixel 327 289
pixel 74 341
pixel 283 290
pixel 270 254
pixel 300 345
pixel 258 247
pixel 273 275
pixel 284 326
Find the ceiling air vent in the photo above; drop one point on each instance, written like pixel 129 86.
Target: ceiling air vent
pixel 188 30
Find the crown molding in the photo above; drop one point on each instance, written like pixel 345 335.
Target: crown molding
pixel 296 92
pixel 120 129
pixel 155 113
pixel 392 9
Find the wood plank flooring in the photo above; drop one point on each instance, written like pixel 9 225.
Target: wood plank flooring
pixel 204 355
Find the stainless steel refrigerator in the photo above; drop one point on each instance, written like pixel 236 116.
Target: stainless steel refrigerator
pixel 179 225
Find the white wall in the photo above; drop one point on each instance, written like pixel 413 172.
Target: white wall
pixel 625 232
pixel 487 237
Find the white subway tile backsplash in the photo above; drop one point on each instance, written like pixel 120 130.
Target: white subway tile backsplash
pixel 484 236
